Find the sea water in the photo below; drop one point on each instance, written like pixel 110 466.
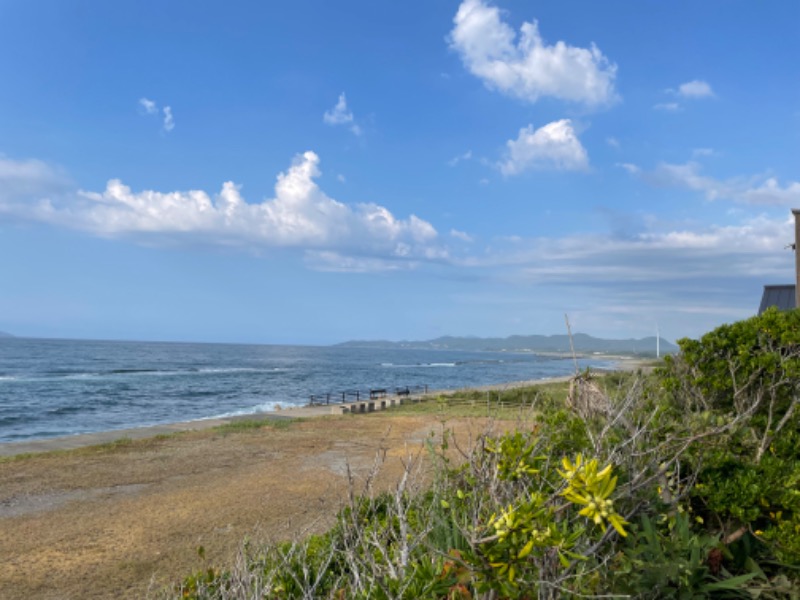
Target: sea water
pixel 52 388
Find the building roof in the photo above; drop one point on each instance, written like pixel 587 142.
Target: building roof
pixel 780 296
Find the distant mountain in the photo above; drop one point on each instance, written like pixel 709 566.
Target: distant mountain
pixel 3 334
pixel 529 343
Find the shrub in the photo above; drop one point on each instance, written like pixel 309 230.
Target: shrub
pixel 685 484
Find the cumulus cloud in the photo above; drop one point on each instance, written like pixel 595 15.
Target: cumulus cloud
pixel 665 260
pixel 695 89
pixel 691 90
pixel 751 190
pixel 300 216
pixel 341 115
pixel 528 68
pixel 552 146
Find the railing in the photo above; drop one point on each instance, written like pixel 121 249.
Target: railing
pixel 344 396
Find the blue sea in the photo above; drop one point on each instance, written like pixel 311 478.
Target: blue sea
pixel 52 388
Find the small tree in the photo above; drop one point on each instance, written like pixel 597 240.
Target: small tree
pixel 747 374
pixel 749 368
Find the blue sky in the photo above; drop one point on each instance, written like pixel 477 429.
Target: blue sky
pixel 312 172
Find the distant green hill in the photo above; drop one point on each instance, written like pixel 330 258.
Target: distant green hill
pixel 528 343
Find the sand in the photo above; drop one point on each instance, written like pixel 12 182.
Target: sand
pixel 125 520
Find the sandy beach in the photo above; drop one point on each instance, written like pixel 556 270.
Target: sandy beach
pixel 124 519
pixel 119 520
pixel 122 513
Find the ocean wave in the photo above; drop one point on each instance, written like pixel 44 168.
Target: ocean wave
pixel 125 373
pixel 69 410
pixel 223 370
pixel 252 410
pixel 421 365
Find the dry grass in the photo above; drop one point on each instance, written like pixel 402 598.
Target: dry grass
pixel 118 519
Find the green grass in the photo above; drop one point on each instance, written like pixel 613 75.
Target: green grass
pixel 245 425
pixel 503 404
pixel 129 444
pixel 112 446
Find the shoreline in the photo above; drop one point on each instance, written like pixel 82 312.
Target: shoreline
pixel 126 520
pixel 82 440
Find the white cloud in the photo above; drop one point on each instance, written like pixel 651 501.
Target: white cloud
pixel 553 146
pixel 461 157
pixel 703 152
pixel 695 89
pixel 752 190
pixel 327 260
pixel 691 90
pixel 148 105
pixel 339 114
pixel 24 180
pixel 527 68
pixel 771 192
pixel 169 121
pixel 651 264
pixel 461 235
pixel 612 141
pixel 629 167
pixel 300 215
pixel 753 247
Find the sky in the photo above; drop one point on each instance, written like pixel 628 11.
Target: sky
pixel 312 172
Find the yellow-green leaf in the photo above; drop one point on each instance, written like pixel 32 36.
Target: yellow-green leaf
pixel 526 549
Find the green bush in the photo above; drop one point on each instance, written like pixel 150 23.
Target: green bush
pixel 684 484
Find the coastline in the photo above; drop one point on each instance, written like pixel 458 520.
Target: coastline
pixel 83 440
pixel 126 520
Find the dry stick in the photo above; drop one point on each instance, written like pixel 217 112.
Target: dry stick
pixel 571 345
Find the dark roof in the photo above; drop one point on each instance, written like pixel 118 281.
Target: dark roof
pixel 780 296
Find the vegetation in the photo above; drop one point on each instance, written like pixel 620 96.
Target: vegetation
pixel 251 424
pixel 680 484
pixel 504 404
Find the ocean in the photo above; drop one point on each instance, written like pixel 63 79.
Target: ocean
pixel 51 388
